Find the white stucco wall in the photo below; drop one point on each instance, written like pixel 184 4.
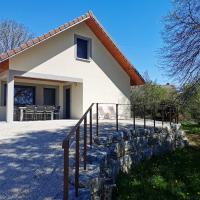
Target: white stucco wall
pixel 103 78
pixel 77 100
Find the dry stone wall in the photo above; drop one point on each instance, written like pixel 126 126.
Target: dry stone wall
pixel 118 151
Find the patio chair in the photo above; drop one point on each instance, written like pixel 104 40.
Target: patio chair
pixel 16 113
pixel 40 113
pixel 29 112
pixel 49 112
pixel 101 113
pixel 57 112
pixel 112 113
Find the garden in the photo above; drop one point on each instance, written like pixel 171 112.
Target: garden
pixel 174 176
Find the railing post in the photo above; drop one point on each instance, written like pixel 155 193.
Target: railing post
pixel 162 115
pixel 154 117
pixel 90 126
pixel 177 115
pixel 85 142
pixel 144 116
pixel 97 122
pixel 77 161
pixel 117 127
pixel 134 116
pixel 76 130
pixel 66 171
pixel 170 115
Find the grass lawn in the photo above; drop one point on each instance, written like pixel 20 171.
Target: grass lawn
pixel 191 127
pixel 193 132
pixel 174 176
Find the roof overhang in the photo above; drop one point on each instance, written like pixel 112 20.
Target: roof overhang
pixel 4 65
pixel 99 31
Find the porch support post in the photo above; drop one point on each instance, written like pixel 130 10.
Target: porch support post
pixel 60 99
pixel 10 98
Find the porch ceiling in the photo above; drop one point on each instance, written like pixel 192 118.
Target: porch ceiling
pixel 44 77
pixel 19 79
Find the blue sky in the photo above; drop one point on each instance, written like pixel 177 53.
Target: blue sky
pixel 135 25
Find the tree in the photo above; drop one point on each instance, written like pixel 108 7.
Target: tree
pixel 151 92
pixel 190 106
pixel 12 35
pixel 152 95
pixel 181 35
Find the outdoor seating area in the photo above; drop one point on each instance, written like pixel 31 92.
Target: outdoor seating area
pixel 36 112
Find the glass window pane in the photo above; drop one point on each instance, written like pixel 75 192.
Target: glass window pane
pixel 82 48
pixel 24 95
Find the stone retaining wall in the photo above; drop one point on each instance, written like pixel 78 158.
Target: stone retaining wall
pixel 118 151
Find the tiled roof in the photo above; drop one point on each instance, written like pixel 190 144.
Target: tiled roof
pixel 46 36
pixel 96 27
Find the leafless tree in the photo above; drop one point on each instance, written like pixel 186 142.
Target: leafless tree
pixel 181 35
pixel 12 35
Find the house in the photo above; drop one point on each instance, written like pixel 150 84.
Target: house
pixel 71 67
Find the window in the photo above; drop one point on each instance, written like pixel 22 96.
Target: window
pixel 83 47
pixel 49 96
pixel 23 95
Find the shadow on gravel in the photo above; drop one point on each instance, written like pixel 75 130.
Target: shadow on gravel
pixel 31 166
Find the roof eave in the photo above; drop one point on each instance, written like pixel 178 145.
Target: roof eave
pixel 33 42
pixel 103 36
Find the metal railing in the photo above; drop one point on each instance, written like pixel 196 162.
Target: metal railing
pixel 167 113
pixel 76 130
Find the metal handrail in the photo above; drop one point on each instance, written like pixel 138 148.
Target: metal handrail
pixel 76 130
pixel 75 127
pixel 65 146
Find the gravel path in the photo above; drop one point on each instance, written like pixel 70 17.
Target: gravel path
pixel 31 157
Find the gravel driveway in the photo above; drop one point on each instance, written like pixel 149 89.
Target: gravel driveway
pixel 31 159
